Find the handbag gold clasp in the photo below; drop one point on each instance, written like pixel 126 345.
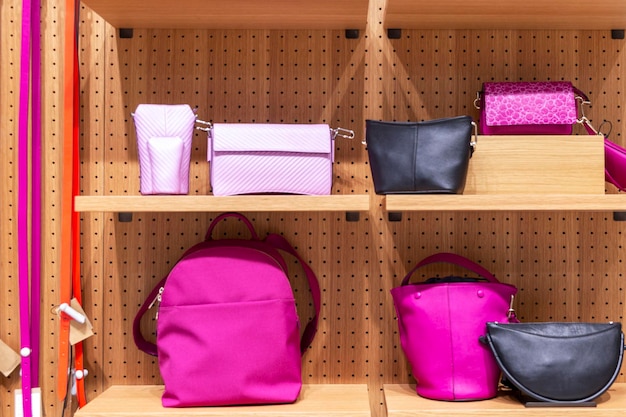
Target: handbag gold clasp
pixel 474 142
pixel 342 133
pixel 581 108
pixel 206 126
pixel 477 100
pixel 511 313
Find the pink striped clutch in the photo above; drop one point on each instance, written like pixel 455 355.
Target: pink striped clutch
pixel 164 134
pixel 251 158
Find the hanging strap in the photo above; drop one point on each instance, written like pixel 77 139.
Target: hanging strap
pixel 22 211
pixel 36 190
pixel 66 199
pixel 79 371
pixel 608 177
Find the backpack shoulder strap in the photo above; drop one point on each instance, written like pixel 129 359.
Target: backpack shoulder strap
pixel 279 242
pixel 141 342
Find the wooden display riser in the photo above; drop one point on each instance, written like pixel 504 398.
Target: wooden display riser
pixel 333 400
pixel 402 401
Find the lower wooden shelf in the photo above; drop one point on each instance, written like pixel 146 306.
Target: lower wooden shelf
pixel 340 400
pixel 402 401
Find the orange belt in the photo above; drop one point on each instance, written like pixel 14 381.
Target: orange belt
pixel 70 227
pixel 76 284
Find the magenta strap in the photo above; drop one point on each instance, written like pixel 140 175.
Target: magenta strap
pixel 454 259
pixel 141 342
pixel 310 330
pixel 22 211
pixel 36 149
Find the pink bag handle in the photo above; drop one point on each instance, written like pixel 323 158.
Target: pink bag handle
pixel 223 216
pixel 452 258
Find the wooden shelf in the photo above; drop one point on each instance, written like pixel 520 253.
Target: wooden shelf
pixel 506 173
pixel 333 400
pixel 522 173
pixel 402 401
pixel 233 14
pixel 510 202
pixel 205 203
pixel 486 14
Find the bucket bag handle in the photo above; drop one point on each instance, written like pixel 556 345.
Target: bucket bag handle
pixel 454 259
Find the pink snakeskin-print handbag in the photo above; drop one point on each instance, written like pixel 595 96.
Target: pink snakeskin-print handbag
pixel 264 158
pixel 529 108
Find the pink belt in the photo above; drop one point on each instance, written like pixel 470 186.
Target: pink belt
pixel 29 286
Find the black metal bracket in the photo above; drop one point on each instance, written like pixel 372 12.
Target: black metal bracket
pixel 353 216
pixel 126 33
pixel 125 217
pixel 394 216
pixel 394 33
pixel 619 216
pixel 617 33
pixel 352 34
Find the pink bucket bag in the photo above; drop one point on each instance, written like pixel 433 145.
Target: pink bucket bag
pixel 441 322
pixel 529 108
pixel 256 158
pixel 164 133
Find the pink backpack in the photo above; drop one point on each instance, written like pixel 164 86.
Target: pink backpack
pixel 227 324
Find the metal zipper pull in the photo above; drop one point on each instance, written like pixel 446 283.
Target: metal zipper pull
pixel 157 299
pixel 511 313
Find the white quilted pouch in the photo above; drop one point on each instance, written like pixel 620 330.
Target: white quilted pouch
pixel 164 133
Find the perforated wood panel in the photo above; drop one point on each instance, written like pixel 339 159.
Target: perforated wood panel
pixel 567 266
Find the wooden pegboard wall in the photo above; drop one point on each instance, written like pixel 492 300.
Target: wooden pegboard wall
pixel 566 265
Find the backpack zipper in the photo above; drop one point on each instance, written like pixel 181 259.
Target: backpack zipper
pixel 156 300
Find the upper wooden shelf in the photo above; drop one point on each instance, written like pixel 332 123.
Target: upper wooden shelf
pixel 506 173
pixel 206 203
pixel 486 14
pixel 526 173
pixel 232 14
pixel 506 202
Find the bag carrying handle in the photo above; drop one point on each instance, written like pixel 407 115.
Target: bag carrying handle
pixel 223 216
pixel 454 259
